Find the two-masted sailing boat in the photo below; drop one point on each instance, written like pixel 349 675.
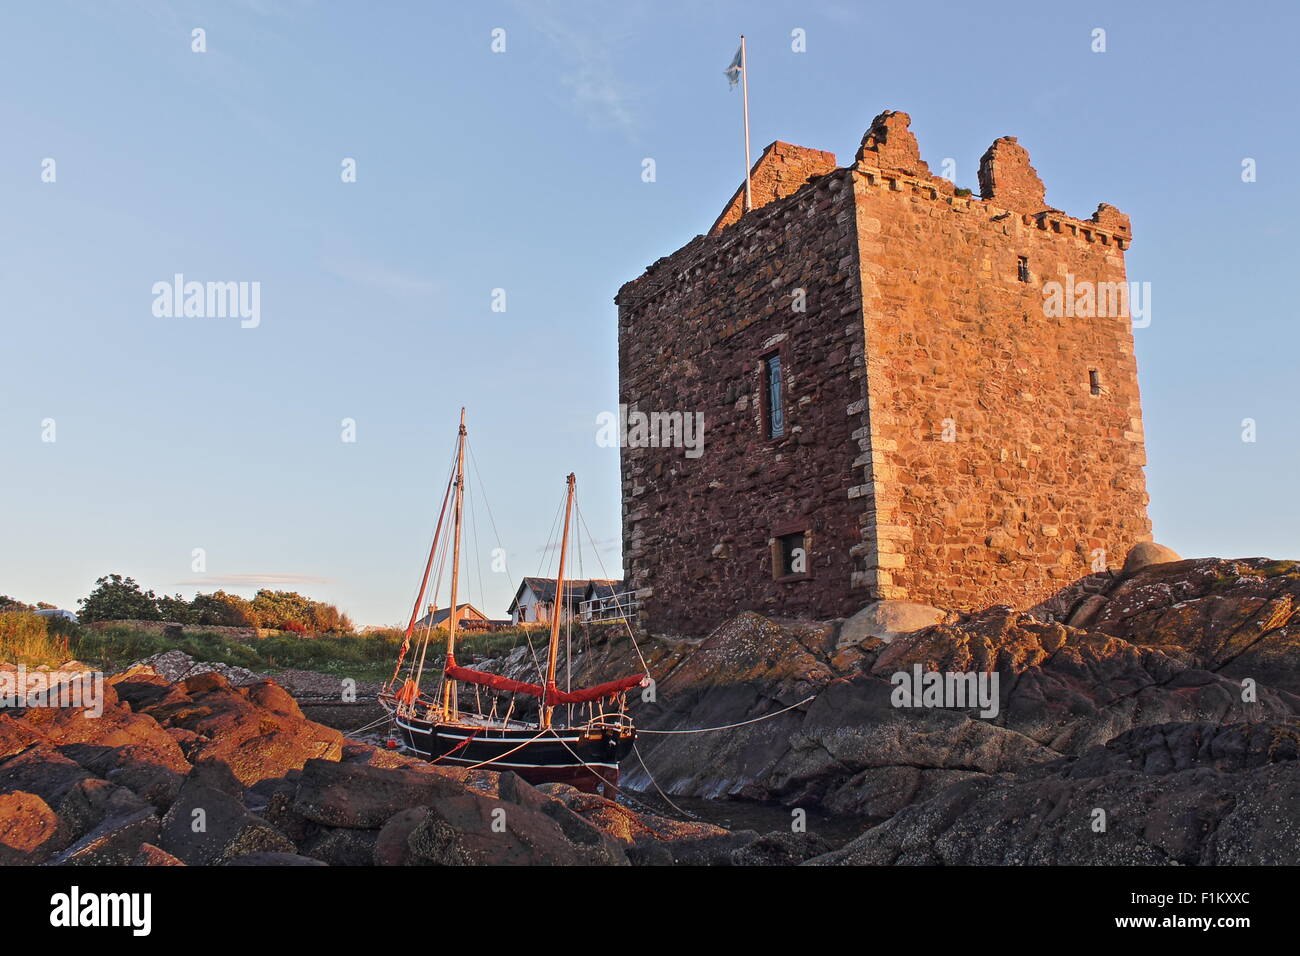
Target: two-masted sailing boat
pixel 578 736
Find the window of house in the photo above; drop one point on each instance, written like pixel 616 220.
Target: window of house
pixel 523 614
pixel 790 554
pixel 773 399
pixel 1023 269
pixel 1094 381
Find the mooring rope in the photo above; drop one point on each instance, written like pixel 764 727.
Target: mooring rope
pixel 625 794
pixel 649 776
pixel 709 730
pixel 374 723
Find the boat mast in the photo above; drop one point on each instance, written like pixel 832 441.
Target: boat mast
pixel 450 704
pixel 560 604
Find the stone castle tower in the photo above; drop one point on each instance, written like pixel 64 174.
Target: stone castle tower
pixel 890 408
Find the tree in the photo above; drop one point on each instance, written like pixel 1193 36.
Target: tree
pixel 224 610
pixel 118 598
pixel 176 609
pixel 12 604
pixel 284 610
pixel 290 611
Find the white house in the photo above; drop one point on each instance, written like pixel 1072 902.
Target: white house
pixel 534 601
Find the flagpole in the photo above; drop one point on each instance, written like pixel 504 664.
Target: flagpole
pixel 744 79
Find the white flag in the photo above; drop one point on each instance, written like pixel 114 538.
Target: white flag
pixel 732 72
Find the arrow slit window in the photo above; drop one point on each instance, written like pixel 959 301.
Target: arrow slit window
pixel 773 396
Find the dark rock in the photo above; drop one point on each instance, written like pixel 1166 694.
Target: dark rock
pixel 474 830
pixel 1180 793
pixel 392 846
pixel 114 842
pixel 780 848
pixel 224 831
pixel 156 785
pixel 342 847
pixel 90 802
pixel 41 770
pixel 362 796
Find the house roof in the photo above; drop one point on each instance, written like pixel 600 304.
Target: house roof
pixel 602 588
pixel 544 590
pixel 440 616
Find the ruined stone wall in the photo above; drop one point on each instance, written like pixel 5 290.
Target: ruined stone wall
pixel 782 169
pixel 697 531
pixel 1042 472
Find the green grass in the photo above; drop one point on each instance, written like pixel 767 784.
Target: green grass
pixel 34 640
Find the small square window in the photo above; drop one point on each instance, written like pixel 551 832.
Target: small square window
pixel 1023 269
pixel 790 555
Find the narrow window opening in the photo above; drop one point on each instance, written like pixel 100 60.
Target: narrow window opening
pixel 1094 381
pixel 1023 269
pixel 773 399
pixel 791 553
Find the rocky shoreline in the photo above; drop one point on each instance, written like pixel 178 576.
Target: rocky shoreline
pixel 1159 726
pixel 1203 653
pixel 191 765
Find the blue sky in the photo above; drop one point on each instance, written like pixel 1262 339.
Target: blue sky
pixel 522 171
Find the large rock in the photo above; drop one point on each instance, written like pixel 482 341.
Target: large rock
pixel 114 739
pixel 886 620
pixel 362 796
pixel 1184 793
pixel 30 832
pixel 472 830
pixel 208 826
pixel 255 742
pixel 92 801
pixel 1146 553
pixel 1239 618
pixel 114 842
pixel 342 847
pixel 852 751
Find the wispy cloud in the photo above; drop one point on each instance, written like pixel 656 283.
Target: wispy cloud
pixel 589 54
pixel 254 580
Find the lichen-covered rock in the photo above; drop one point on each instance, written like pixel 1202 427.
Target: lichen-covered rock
pixel 30 832
pixel 255 742
pixel 1182 793
pixel 364 797
pixel 207 826
pixel 471 829
pixel 114 842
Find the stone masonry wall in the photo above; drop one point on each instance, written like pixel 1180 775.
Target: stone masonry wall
pixel 1041 472
pixel 697 532
pixel 782 169
pixel 921 324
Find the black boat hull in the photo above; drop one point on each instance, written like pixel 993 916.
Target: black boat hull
pixel 584 758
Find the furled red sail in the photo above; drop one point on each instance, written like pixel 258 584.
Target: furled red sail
pixel 583 695
pixel 553 695
pixel 495 681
